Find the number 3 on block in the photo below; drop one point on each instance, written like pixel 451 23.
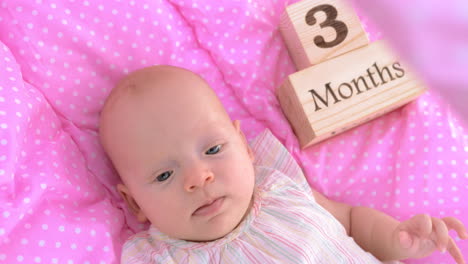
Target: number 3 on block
pixel 315 31
pixel 330 21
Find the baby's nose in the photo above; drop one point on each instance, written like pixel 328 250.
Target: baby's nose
pixel 198 178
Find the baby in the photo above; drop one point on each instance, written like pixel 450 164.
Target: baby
pixel 211 198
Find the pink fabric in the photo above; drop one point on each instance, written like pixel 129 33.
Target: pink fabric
pixel 60 59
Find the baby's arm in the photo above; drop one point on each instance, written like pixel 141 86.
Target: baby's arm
pixel 388 239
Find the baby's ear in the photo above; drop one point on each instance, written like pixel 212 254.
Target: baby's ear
pixel 131 203
pixel 244 139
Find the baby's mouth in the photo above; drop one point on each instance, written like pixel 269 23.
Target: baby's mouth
pixel 210 207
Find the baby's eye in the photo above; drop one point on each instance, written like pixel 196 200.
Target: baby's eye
pixel 164 176
pixel 213 150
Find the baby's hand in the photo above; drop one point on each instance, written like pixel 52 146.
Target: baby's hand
pixel 421 235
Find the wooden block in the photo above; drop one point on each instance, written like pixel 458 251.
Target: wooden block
pixel 341 93
pixel 315 31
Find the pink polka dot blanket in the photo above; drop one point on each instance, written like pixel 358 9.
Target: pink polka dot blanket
pixel 60 59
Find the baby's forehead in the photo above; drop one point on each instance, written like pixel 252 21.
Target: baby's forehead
pixel 159 83
pixel 163 91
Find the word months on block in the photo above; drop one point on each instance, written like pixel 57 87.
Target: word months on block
pixel 315 31
pixel 341 93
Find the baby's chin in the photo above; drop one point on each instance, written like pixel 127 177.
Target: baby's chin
pixel 220 227
pixel 218 230
pixel 209 237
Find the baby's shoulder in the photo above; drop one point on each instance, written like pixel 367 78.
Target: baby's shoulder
pixel 137 241
pixel 273 186
pixel 139 248
pixel 271 153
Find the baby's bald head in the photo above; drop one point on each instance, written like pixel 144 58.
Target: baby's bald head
pixel 163 79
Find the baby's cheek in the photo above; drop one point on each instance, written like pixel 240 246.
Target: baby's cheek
pixel 155 204
pixel 246 177
pixel 166 215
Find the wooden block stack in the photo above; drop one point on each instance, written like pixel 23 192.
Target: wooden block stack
pixel 343 81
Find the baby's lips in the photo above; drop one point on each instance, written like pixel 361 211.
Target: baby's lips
pixel 209 207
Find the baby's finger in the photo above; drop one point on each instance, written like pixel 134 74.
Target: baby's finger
pixel 457 225
pixel 441 233
pixel 420 224
pixel 455 252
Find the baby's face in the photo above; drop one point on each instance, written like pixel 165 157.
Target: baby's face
pixel 184 163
